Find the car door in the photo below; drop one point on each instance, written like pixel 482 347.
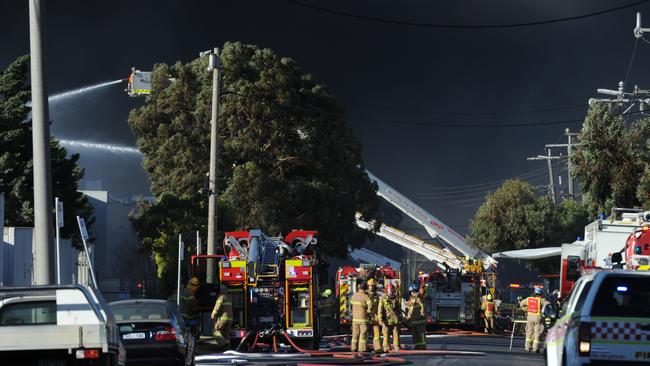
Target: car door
pixel 619 314
pixel 556 337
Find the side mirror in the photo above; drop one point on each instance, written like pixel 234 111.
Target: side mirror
pixel 617 257
pixel 551 311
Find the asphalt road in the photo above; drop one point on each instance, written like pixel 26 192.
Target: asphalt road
pixel 496 349
pixel 492 350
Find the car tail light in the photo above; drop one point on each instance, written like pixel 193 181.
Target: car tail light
pixel 167 334
pixel 87 353
pixel 584 338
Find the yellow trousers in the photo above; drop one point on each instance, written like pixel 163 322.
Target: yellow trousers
pixel 387 331
pixel 359 337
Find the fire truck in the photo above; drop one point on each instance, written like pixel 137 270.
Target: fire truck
pixel 453 297
pixel 453 294
pixel 347 279
pixel 273 284
pixel 618 241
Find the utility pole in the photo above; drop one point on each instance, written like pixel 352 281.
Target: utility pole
pixel 43 219
pixel 215 67
pixel 548 157
pixel 569 146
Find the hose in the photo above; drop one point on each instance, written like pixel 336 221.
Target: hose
pixel 257 338
pixel 275 343
pixel 240 347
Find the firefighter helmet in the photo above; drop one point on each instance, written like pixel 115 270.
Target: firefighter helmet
pixel 327 293
pixel 371 282
pixel 489 297
pixel 538 291
pixel 414 288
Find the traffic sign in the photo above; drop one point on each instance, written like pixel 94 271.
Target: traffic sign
pixel 82 228
pixel 59 213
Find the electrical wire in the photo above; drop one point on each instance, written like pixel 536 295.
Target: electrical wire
pixel 429 192
pixel 484 184
pixel 629 67
pixel 425 112
pixel 460 26
pixel 473 125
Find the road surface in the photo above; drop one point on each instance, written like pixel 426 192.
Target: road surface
pixel 492 350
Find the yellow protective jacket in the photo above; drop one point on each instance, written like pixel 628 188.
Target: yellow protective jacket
pixel 489 308
pixel 223 309
pixel 361 306
pixel 389 310
pixel 415 311
pixel 374 301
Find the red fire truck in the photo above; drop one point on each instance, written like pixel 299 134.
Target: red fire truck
pixel 347 279
pixel 272 283
pixel 453 297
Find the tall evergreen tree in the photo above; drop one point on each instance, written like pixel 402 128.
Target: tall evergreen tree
pixel 16 173
pixel 287 159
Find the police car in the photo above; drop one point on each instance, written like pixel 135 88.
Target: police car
pixel 605 321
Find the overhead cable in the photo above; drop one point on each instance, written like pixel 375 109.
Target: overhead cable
pixel 460 26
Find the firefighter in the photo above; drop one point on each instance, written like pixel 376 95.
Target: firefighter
pixel 326 310
pixel 534 327
pixel 361 305
pixel 188 303
pixel 389 314
pixel 374 321
pixel 415 318
pixel 223 316
pixel 489 309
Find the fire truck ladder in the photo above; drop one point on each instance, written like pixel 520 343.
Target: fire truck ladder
pixel 434 227
pixel 428 250
pixel 270 259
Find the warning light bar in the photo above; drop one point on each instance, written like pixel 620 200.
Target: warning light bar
pixel 515 285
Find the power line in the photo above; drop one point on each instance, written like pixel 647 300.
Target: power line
pixel 629 67
pixel 491 113
pixel 460 26
pixel 485 184
pixel 458 190
pixel 472 125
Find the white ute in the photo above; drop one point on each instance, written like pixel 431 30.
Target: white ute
pixel 605 321
pixel 57 325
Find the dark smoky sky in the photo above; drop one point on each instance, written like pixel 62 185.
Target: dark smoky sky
pixel 376 70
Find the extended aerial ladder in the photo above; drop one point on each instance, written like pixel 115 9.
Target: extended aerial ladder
pixel 434 227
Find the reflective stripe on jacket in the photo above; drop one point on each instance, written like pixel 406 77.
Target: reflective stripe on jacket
pixel 361 306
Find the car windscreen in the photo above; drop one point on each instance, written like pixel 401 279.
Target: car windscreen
pixel 140 311
pixel 28 313
pixel 623 296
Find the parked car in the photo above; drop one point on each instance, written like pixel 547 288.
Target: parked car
pixel 60 325
pixel 153 332
pixel 605 321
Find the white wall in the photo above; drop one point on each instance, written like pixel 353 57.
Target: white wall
pixel 16 258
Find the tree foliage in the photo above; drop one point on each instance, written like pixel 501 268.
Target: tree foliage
pixel 515 217
pixel 287 159
pixel 611 162
pixel 16 173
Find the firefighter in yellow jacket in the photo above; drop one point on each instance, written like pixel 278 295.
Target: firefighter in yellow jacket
pixel 416 319
pixel 389 314
pixel 374 321
pixel 489 309
pixel 223 316
pixel 361 306
pixel 534 327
